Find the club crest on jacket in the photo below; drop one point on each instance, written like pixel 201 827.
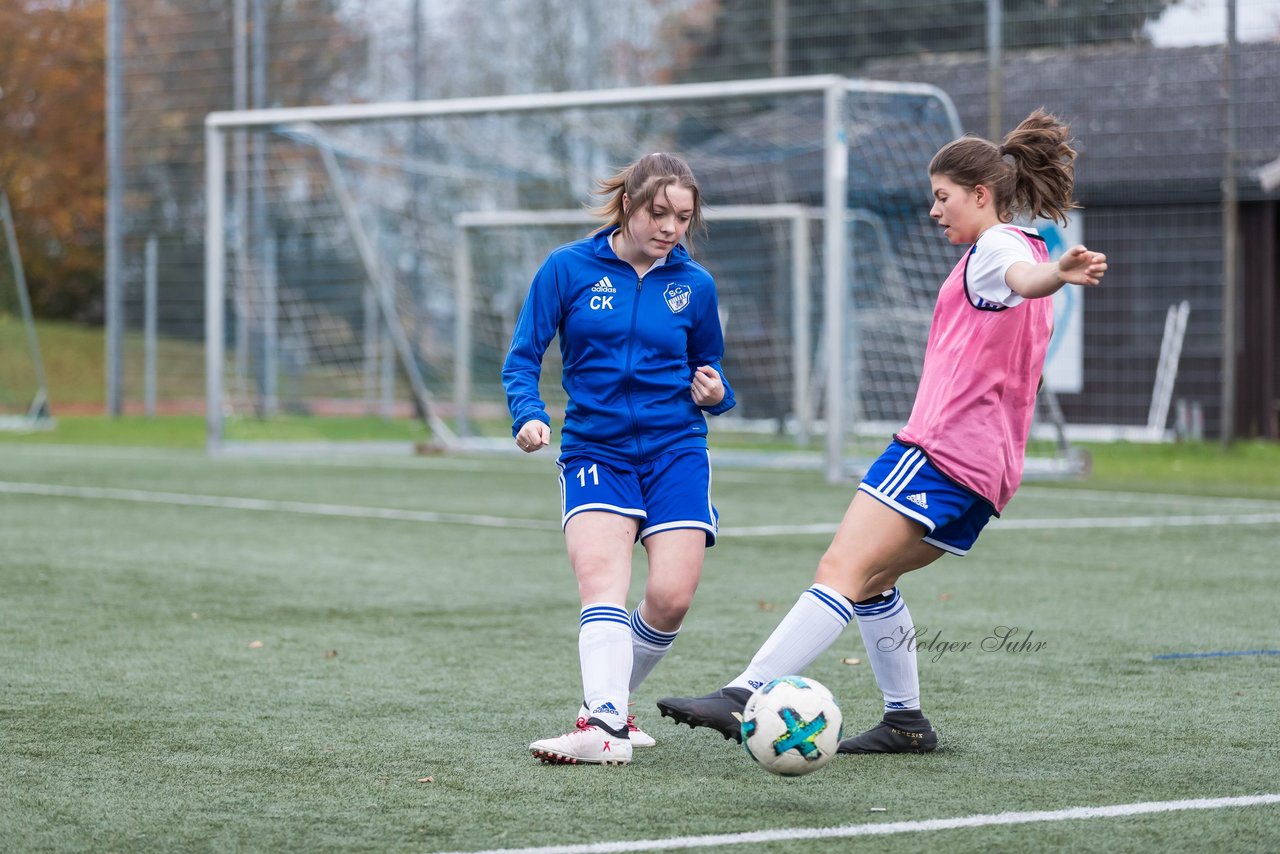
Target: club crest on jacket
pixel 677 296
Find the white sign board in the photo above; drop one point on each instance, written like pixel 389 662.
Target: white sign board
pixel 1064 364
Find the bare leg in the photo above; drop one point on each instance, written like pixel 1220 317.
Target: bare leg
pixel 675 567
pixel 873 547
pixel 600 546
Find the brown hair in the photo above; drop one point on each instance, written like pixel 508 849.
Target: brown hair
pixel 1032 172
pixel 642 182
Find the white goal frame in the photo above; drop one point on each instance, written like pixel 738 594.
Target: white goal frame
pixel 832 88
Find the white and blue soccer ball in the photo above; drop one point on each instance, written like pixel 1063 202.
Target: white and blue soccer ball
pixel 791 726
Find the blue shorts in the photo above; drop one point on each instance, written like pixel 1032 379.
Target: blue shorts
pixel 904 479
pixel 670 492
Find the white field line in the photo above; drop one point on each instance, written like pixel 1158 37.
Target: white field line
pixel 182 499
pixel 894 827
pixel 345 460
pixel 538 465
pixel 1069 493
pixel 1128 522
pixel 535 465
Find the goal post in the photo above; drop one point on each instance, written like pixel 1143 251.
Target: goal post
pixel 395 242
pixel 31 413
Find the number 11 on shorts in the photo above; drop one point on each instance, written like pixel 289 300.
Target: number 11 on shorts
pixel 593 471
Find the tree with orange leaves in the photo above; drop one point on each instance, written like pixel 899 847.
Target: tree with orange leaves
pixel 52 97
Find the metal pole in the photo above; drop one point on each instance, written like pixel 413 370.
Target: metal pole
pixel 835 201
pixel 462 333
pixel 258 230
pixel 115 210
pixel 415 85
pixel 150 291
pixel 801 346
pixel 370 348
pixel 271 330
pixel 778 58
pixel 1230 228
pixel 240 194
pixel 995 58
pixel 417 149
pixel 215 283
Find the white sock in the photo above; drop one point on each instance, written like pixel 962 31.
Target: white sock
pixel 888 634
pixel 812 625
pixel 604 650
pixel 648 646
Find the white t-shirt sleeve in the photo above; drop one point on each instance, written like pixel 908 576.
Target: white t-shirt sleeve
pixel 996 251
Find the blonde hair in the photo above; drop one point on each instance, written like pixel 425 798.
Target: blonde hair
pixel 642 182
pixel 1031 172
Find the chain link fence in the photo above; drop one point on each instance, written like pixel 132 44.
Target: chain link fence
pixel 1176 125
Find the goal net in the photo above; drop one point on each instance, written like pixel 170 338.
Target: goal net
pixel 369 261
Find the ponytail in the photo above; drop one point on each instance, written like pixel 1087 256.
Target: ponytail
pixel 1044 163
pixel 1032 172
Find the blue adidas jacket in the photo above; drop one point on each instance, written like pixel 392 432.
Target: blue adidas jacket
pixel 629 346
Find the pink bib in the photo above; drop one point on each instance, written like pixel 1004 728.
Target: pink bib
pixel 977 394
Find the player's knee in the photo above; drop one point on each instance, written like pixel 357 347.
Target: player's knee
pixel 665 610
pixel 597 577
pixel 834 570
pixel 855 581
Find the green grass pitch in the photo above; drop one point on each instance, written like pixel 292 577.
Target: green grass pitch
pixel 274 655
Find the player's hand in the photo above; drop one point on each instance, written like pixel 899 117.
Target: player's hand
pixel 533 435
pixel 707 387
pixel 1080 266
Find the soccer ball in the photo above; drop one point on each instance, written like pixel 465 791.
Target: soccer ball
pixel 791 726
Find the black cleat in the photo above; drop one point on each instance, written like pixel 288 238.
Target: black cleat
pixel 899 732
pixel 720 711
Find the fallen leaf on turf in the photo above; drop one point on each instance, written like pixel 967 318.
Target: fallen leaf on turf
pixel 426 779
pixel 851 661
pixel 945 597
pixel 333 653
pixel 255 645
pixel 764 606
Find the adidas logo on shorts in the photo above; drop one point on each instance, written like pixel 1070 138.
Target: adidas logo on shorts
pixel 919 498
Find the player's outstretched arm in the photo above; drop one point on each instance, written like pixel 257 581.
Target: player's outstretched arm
pixel 1077 266
pixel 1081 266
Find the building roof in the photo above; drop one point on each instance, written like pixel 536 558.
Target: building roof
pixel 1149 122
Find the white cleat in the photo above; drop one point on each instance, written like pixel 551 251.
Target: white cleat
pixel 589 744
pixel 639 738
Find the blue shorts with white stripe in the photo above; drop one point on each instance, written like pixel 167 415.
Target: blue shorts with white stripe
pixel 904 479
pixel 670 492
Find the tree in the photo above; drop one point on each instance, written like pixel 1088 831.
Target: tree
pixel 51 149
pixel 838 36
pixel 179 55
